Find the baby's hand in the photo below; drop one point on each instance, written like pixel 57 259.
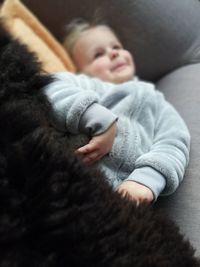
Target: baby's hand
pixel 98 146
pixel 137 192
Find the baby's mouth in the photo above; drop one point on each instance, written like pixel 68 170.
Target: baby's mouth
pixel 119 66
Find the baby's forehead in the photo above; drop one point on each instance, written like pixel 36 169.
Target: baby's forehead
pixel 100 33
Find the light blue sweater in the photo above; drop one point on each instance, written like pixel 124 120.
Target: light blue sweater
pixel 152 143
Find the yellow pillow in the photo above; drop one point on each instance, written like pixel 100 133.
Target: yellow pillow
pixel 22 24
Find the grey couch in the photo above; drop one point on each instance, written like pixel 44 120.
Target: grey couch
pixel 164 37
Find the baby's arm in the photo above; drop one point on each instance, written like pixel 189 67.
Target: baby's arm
pixel 71 96
pixel 76 109
pixel 162 168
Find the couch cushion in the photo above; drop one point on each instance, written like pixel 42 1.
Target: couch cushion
pixel 181 88
pixel 26 27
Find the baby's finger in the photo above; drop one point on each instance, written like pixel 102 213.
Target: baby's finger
pixel 91 158
pixel 85 149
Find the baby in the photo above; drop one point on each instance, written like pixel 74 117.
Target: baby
pixel 97 52
pixel 135 136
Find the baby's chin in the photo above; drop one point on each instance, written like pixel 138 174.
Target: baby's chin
pixel 123 77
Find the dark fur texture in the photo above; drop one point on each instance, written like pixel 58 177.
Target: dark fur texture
pixel 54 212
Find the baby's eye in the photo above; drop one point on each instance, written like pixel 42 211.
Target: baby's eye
pixel 98 54
pixel 117 46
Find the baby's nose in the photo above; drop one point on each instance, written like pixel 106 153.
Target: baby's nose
pixel 114 53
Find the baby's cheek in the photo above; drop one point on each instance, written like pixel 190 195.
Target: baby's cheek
pixel 100 67
pixel 93 70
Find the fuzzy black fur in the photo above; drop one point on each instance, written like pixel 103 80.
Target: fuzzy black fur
pixel 55 212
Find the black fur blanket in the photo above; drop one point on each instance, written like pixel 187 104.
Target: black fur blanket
pixel 55 212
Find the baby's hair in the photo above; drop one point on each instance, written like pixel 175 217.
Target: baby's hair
pixel 75 29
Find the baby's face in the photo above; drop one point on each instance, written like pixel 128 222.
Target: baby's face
pixel 99 53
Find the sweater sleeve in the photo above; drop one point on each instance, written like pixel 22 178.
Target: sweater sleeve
pixel 75 104
pixel 162 168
